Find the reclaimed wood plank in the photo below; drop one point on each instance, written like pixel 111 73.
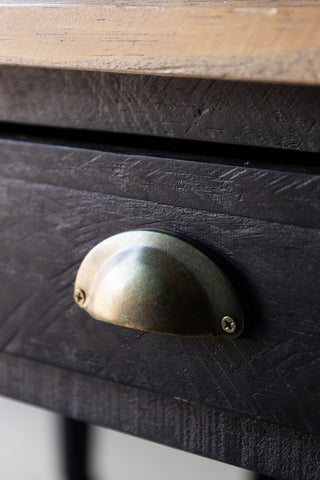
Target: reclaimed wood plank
pixel 237 113
pixel 274 450
pixel 258 41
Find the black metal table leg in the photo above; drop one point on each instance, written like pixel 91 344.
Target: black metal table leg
pixel 75 443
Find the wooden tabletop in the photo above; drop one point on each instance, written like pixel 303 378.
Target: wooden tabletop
pixel 270 41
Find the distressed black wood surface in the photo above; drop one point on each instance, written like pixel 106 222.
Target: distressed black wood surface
pixel 270 449
pixel 243 113
pixel 262 477
pixel 261 226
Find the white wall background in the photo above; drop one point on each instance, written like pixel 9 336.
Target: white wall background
pixel 29 451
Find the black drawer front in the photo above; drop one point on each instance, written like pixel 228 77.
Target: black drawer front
pixel 261 226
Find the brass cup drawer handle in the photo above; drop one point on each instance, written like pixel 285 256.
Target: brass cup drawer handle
pixel 157 282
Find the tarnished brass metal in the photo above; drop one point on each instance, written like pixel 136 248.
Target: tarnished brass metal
pixel 159 283
pixel 79 297
pixel 228 324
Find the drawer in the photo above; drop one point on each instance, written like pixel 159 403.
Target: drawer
pixel 260 225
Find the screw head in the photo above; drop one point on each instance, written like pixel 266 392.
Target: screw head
pixel 79 297
pixel 228 324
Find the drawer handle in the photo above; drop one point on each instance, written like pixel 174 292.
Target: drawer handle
pixel 157 282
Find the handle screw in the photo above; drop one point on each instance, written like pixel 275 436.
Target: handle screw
pixel 228 324
pixel 79 297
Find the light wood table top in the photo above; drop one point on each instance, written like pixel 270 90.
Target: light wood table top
pixel 270 41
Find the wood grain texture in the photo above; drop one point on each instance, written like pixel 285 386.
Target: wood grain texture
pixel 248 443
pixel 252 114
pixel 259 41
pixel 261 226
pixel 273 450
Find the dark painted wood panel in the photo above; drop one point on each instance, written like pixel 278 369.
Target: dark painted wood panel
pixel 269 449
pixel 237 190
pixel 50 217
pixel 244 113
